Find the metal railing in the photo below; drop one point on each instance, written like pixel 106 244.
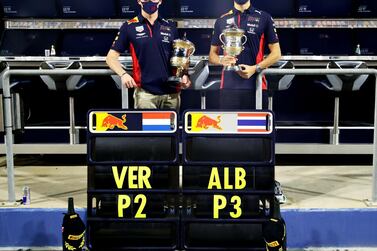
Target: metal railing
pixel 96 72
pixel 326 72
pixel 8 127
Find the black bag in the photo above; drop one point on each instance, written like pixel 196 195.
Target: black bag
pixel 274 231
pixel 73 229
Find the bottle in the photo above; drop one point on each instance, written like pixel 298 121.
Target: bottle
pixel 73 229
pixel 26 196
pixel 358 50
pixel 71 206
pixel 52 51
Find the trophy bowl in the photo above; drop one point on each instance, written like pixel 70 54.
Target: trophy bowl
pixel 231 38
pixel 183 49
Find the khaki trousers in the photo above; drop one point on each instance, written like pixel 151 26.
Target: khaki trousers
pixel 146 100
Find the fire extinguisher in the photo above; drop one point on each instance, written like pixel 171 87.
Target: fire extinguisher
pixel 73 229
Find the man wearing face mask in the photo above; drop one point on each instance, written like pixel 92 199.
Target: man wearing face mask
pixel 238 88
pixel 149 39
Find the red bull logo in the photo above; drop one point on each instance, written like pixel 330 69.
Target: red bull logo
pixel 206 122
pixel 110 122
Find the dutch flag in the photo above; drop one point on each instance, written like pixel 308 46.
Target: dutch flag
pixel 157 122
pixel 252 122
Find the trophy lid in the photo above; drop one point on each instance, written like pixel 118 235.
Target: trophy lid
pixel 233 31
pixel 183 43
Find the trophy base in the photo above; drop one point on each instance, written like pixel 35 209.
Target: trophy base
pixel 232 68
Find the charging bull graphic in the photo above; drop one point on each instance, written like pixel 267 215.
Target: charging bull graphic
pixel 111 122
pixel 206 122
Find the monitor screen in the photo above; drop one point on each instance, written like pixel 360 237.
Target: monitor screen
pixel 285 8
pixel 87 8
pixel 130 8
pixel 86 42
pixel 169 8
pixel 324 8
pixel 29 8
pixel 27 42
pixel 365 8
pixel 325 42
pixel 201 39
pixel 368 41
pixel 204 8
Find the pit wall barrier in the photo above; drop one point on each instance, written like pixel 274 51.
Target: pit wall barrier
pixel 40 228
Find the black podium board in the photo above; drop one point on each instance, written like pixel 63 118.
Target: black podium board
pixel 133 180
pixel 140 199
pixel 228 179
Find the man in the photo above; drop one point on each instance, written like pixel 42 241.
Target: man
pixel 238 88
pixel 149 39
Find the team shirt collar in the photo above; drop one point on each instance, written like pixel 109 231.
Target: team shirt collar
pixel 247 11
pixel 143 19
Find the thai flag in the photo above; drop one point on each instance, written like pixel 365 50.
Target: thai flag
pixel 253 122
pixel 157 122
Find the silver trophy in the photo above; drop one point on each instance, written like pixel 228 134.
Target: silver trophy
pixel 183 49
pixel 232 44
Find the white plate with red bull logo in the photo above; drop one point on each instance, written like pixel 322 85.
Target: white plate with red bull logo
pixel 228 122
pixel 108 122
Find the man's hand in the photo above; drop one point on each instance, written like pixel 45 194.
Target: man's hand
pixel 128 81
pixel 228 60
pixel 185 82
pixel 247 71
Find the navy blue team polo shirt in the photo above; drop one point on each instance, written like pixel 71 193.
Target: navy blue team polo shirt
pixel 260 30
pixel 151 49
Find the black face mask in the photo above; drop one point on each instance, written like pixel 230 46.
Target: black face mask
pixel 241 2
pixel 150 7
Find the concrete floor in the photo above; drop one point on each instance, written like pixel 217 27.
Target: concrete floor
pixel 304 186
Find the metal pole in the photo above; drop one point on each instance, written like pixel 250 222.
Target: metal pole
pixel 8 136
pixel 335 131
pixel 203 100
pixel 258 94
pixel 270 103
pixel 73 133
pixel 308 72
pixel 124 90
pixel 374 189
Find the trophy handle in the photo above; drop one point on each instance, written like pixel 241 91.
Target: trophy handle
pixel 193 51
pixel 220 37
pixel 244 36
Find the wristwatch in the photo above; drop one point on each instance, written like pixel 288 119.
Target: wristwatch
pixel 258 68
